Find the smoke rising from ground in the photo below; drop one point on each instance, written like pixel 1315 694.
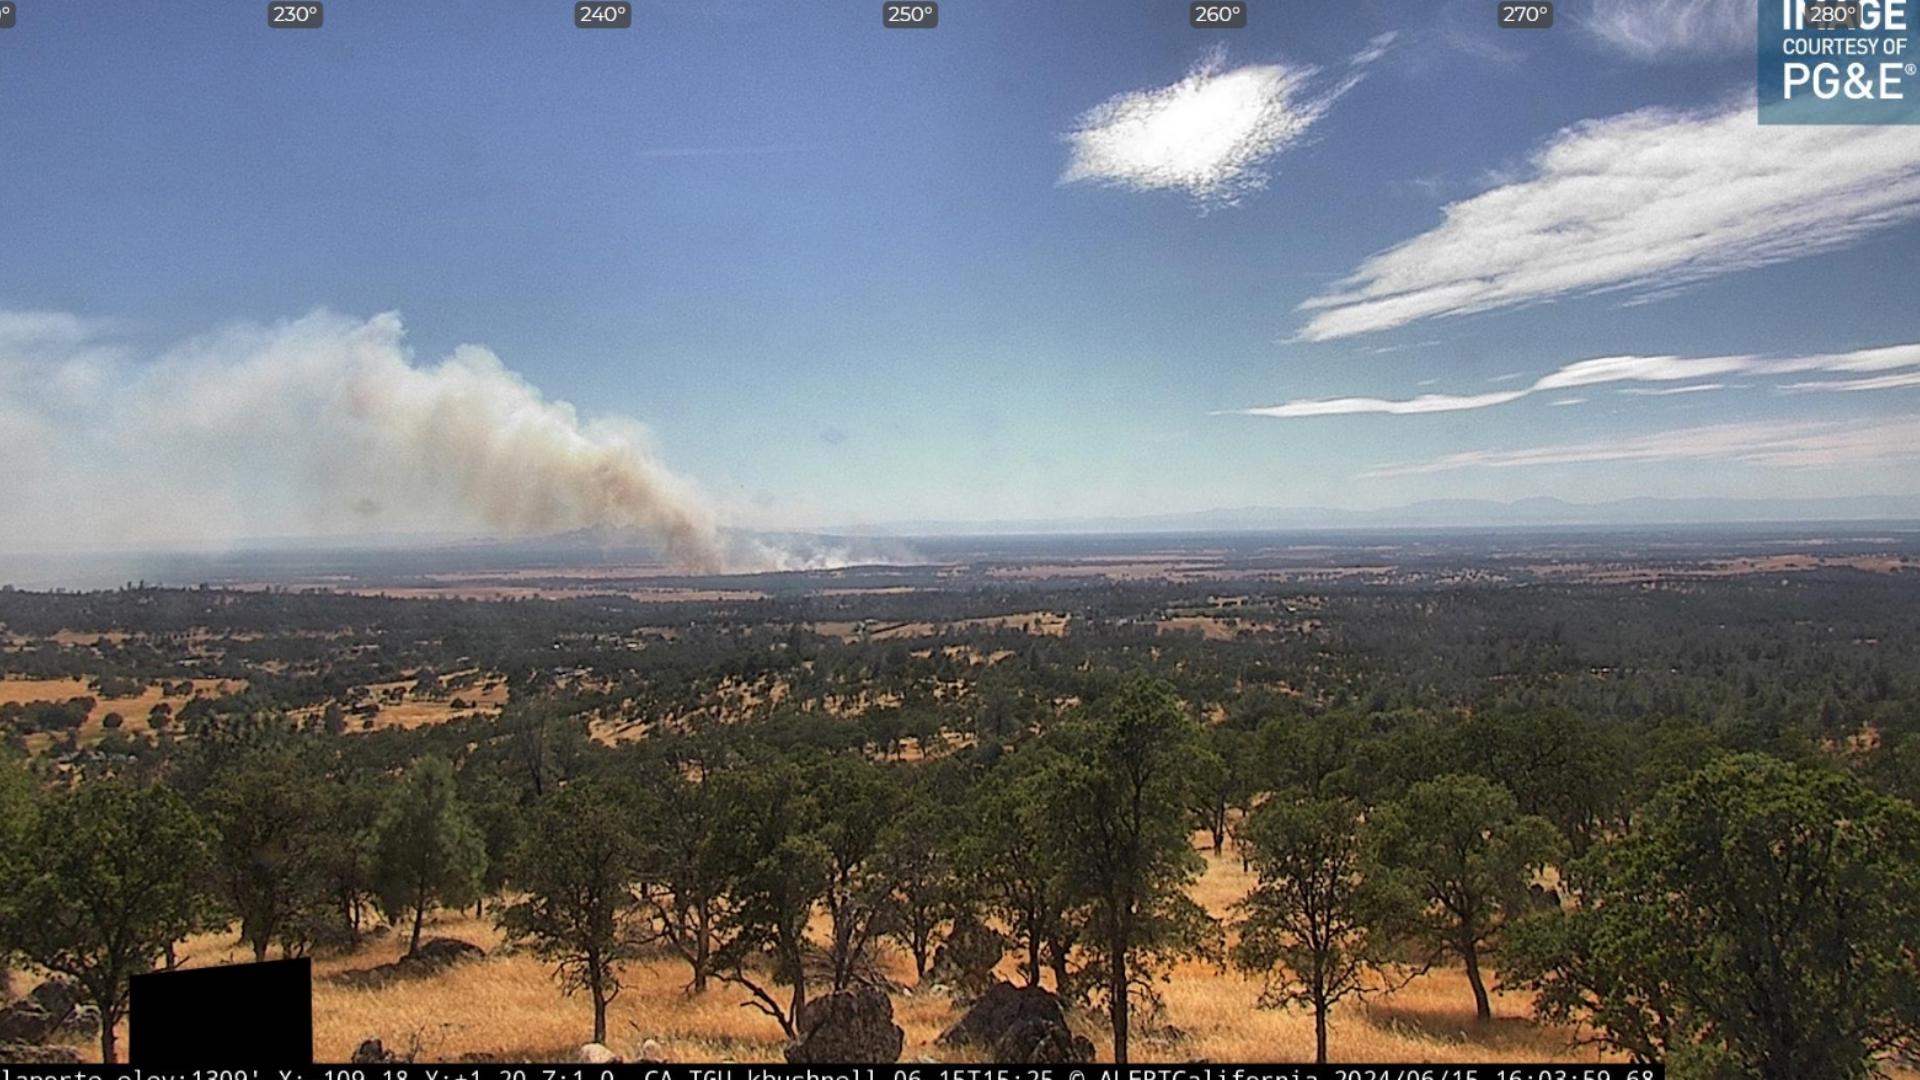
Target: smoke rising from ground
pixel 321 427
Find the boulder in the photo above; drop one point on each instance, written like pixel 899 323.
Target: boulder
pixel 443 952
pixel 373 1052
pixel 434 956
pixel 1034 1041
pixel 26 1022
pixel 848 1026
pixel 965 961
pixel 595 1054
pixel 55 1007
pixel 30 1054
pixel 56 995
pixel 650 1053
pixel 1020 1025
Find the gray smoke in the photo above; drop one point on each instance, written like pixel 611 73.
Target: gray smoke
pixel 323 426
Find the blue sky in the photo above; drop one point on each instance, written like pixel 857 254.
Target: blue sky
pixel 836 273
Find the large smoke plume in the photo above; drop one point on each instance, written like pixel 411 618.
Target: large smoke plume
pixel 323 426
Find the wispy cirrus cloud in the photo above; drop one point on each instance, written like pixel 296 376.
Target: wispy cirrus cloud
pixel 1212 133
pixel 1669 391
pixel 1898 381
pixel 1638 369
pixel 1788 445
pixel 1650 201
pixel 1382 350
pixel 1425 403
pixel 1658 31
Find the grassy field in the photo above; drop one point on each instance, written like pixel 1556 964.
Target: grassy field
pixel 508 1006
pixel 133 711
pixel 411 710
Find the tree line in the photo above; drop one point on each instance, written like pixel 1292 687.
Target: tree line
pixel 1729 909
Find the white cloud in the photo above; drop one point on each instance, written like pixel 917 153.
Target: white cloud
pixel 1210 134
pixel 1606 369
pixel 1899 381
pixel 1790 445
pixel 1669 391
pixel 1656 31
pixel 1611 369
pixel 1376 48
pixel 1382 350
pixel 22 328
pixel 1425 403
pixel 1647 201
pixel 1888 358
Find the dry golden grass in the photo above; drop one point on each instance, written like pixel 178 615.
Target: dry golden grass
pixel 26 691
pixel 133 710
pixel 509 1006
pixel 412 711
pixel 489 694
pixel 1210 627
pixel 1044 623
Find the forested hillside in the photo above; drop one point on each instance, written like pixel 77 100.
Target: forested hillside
pixel 1671 819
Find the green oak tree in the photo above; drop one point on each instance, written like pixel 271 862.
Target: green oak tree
pixel 426 849
pixel 1223 780
pixel 1311 927
pixel 1760 918
pixel 679 824
pixel 111 878
pixel 777 870
pixel 856 800
pixel 579 906
pixel 268 843
pixel 1005 854
pixel 1116 803
pixel 915 861
pixel 1464 854
pixel 19 808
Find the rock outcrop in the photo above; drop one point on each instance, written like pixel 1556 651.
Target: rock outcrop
pixel 1019 1025
pixel 853 1026
pixel 965 960
pixel 594 1053
pixel 374 1052
pixel 434 956
pixel 25 1022
pixel 32 1054
pixel 57 996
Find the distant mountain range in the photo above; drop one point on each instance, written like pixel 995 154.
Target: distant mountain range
pixel 1439 513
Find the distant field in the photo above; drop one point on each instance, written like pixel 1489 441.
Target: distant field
pixel 134 711
pixel 399 705
pixel 1049 623
pixel 402 706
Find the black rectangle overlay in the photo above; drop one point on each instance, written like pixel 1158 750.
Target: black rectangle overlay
pixel 258 1015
